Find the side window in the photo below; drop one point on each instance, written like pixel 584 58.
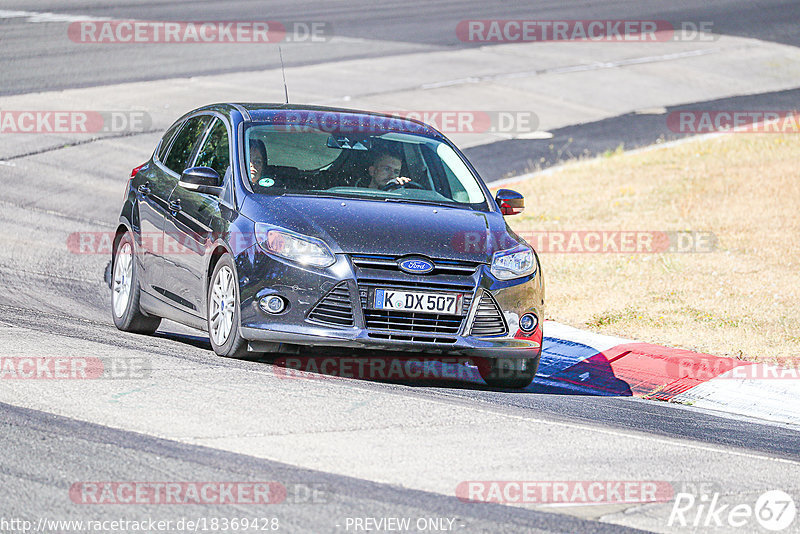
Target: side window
pixel 183 145
pixel 215 152
pixel 164 146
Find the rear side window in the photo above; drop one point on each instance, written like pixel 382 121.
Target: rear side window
pixel 215 153
pixel 164 145
pixel 184 144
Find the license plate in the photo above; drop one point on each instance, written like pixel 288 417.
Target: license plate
pixel 390 299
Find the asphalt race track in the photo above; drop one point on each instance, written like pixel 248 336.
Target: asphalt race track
pixel 346 449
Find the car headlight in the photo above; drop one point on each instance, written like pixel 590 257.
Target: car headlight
pixel 295 247
pixel 513 263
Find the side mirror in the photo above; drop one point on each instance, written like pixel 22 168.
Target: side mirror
pixel 202 180
pixel 510 202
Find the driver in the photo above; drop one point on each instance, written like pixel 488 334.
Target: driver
pixel 385 171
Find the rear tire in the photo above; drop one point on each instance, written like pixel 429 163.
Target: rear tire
pixel 508 373
pixel 223 314
pixel 125 291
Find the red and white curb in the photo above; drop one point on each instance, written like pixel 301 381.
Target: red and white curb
pixel 605 365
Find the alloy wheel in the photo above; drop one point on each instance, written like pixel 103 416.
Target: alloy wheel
pixel 223 300
pixel 123 275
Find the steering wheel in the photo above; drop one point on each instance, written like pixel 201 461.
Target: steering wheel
pixel 391 186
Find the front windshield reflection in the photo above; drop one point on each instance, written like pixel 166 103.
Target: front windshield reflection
pixel 389 166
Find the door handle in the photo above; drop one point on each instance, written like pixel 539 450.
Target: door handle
pixel 144 188
pixel 175 206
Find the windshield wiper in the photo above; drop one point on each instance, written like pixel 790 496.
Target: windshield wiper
pixel 419 201
pixel 333 194
pixel 323 193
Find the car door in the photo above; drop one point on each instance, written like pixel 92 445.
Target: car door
pixel 153 186
pixel 167 174
pixel 190 223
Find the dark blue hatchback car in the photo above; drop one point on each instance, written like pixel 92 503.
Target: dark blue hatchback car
pixel 276 226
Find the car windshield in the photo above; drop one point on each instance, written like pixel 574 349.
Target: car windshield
pixel 389 166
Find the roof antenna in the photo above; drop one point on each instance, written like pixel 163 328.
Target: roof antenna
pixel 283 72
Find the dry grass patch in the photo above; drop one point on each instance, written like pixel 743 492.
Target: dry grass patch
pixel 741 300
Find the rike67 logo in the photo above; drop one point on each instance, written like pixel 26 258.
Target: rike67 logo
pixel 703 507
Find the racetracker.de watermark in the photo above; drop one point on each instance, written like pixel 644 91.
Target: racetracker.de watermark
pixel 702 368
pixel 378 368
pixel 191 492
pixel 564 492
pixel 734 121
pixel 582 31
pixel 467 121
pixel 545 242
pixel 473 121
pixel 73 122
pixel 592 241
pixel 198 32
pixel 73 368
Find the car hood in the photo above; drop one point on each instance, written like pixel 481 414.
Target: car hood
pixel 356 226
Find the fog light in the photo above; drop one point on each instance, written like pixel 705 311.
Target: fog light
pixel 272 304
pixel 528 322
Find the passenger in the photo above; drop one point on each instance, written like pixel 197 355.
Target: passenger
pixel 258 159
pixel 272 176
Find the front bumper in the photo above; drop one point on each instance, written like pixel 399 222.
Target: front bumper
pixel 357 276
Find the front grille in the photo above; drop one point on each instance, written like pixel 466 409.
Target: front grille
pixel 335 308
pixel 417 339
pixel 419 323
pixel 389 263
pixel 489 320
pixel 449 276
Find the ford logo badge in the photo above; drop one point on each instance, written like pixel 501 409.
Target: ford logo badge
pixel 415 266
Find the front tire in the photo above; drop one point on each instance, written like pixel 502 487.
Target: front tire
pixel 125 291
pixel 508 373
pixel 223 317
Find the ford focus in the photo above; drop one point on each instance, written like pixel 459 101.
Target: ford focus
pixel 274 227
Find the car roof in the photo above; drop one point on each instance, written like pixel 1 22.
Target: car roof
pixel 325 116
